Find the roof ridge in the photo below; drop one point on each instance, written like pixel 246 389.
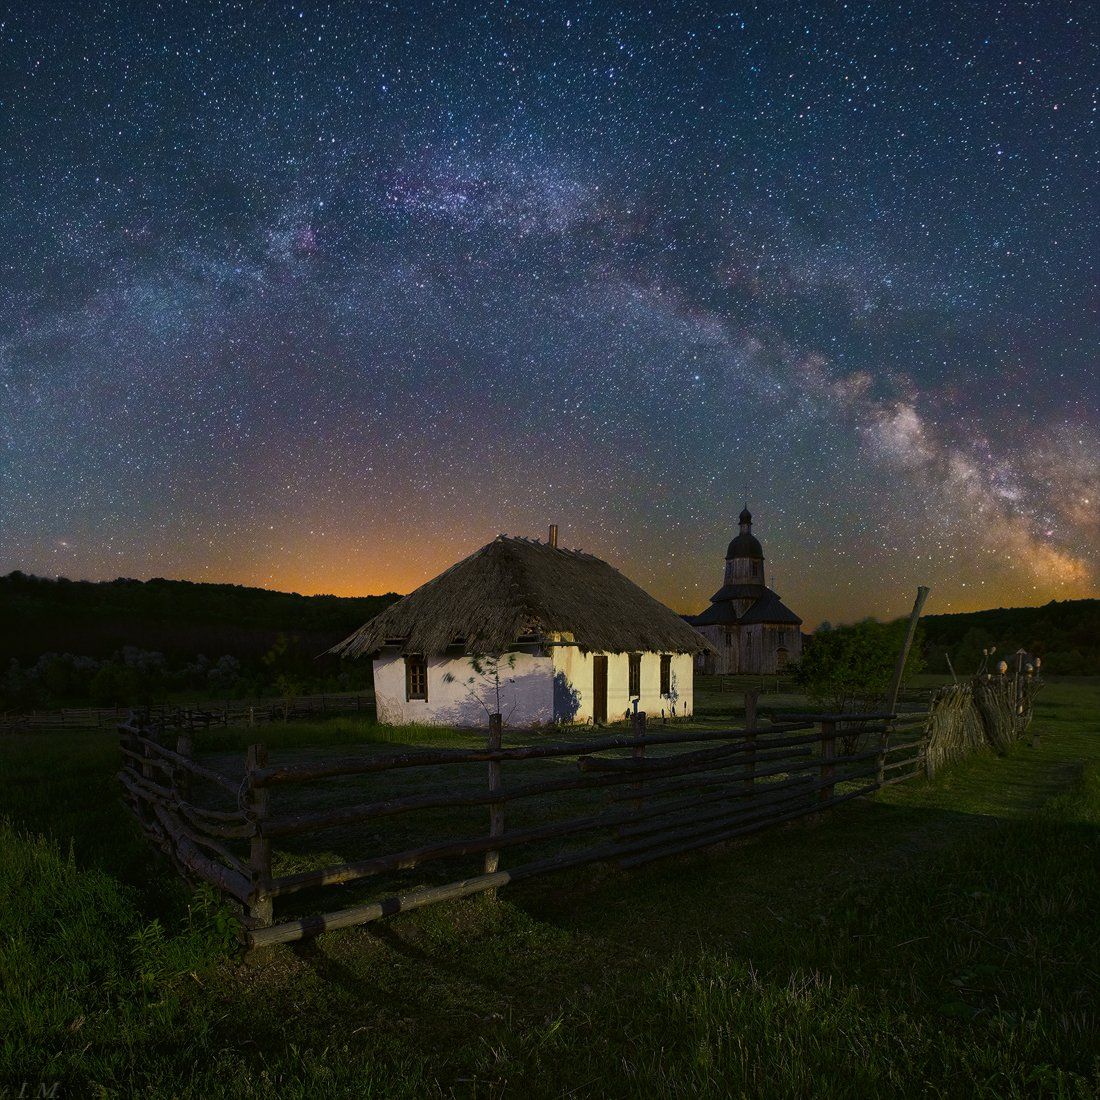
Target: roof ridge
pixel 489 596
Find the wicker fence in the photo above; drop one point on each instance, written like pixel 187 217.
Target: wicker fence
pixel 628 797
pixel 648 793
pixel 986 713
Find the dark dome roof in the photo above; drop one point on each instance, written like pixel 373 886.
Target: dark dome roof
pixel 745 546
pixel 745 516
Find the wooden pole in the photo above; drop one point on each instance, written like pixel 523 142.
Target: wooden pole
pixel 1034 727
pixel 903 656
pixel 751 699
pixel 259 857
pixel 146 751
pixel 828 752
pixel 883 745
pixel 637 751
pixel 181 777
pixel 496 809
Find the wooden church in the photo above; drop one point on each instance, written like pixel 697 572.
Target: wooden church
pixel 749 627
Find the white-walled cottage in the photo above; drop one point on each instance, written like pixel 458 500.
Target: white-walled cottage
pixel 563 635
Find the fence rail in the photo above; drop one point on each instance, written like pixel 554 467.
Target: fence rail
pixel 651 793
pixel 198 716
pixel 655 793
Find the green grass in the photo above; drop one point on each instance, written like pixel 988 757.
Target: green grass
pixel 939 939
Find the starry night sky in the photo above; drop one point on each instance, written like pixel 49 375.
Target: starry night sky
pixel 323 297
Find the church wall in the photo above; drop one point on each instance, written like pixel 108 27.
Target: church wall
pixel 744 571
pixel 761 643
pixel 752 649
pixel 727 660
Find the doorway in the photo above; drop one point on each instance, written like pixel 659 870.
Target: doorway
pixel 599 689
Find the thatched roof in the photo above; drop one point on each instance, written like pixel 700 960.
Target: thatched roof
pixel 518 588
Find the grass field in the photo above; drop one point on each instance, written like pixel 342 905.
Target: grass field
pixel 940 939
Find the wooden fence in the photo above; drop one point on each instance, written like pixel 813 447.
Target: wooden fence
pixel 654 792
pixel 985 713
pixel 229 712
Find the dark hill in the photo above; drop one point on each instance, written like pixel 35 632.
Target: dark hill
pixel 1065 633
pixel 178 618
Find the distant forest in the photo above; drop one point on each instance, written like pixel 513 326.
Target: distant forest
pixel 71 643
pixel 1065 634
pixel 119 642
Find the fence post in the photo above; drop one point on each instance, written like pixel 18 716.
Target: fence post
pixel 496 809
pixel 906 645
pixel 146 769
pixel 259 856
pixel 1029 695
pixel 828 751
pixel 637 752
pixel 128 740
pixel 181 777
pixel 751 699
pixel 883 745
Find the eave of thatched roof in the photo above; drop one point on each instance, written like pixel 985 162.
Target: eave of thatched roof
pixel 516 588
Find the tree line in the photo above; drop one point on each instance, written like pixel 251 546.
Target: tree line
pixel 121 642
pixel 124 642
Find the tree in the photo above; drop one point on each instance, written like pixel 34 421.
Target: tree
pixel 488 682
pixel 850 667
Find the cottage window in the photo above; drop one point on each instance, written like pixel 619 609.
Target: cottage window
pixel 781 658
pixel 416 678
pixel 634 687
pixel 666 674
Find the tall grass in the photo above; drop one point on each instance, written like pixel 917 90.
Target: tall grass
pixel 938 941
pixel 972 975
pixel 80 970
pixel 95 1000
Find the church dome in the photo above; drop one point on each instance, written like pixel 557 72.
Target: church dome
pixel 745 545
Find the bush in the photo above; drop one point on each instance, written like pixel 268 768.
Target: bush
pixel 850 667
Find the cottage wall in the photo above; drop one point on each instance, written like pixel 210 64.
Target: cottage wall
pixel 526 701
pixel 557 687
pixel 574 685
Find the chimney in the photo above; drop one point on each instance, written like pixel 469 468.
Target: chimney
pixel 553 539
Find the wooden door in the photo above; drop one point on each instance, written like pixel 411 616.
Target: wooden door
pixel 599 689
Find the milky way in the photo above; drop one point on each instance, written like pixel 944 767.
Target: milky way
pixel 323 297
